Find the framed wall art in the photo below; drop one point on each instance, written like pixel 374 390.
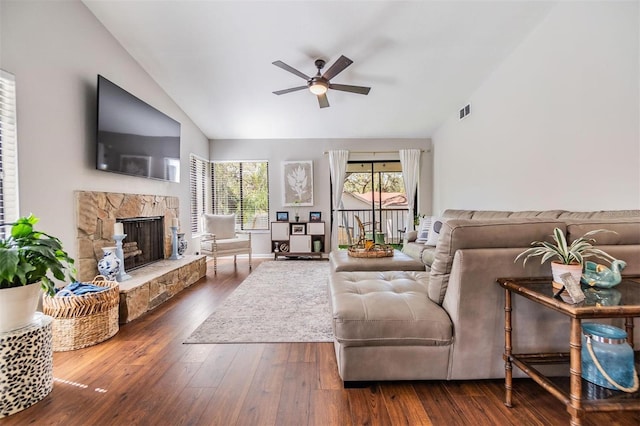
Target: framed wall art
pixel 315 216
pixel 282 216
pixel 297 183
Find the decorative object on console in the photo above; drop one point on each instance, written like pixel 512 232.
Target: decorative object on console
pixel 297 183
pixel 565 257
pixel 29 257
pixel 282 216
pixel 109 265
pixel 298 229
pixel 315 216
pixel 597 275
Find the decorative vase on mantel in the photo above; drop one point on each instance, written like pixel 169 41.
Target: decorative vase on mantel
pixel 109 265
pixel 182 244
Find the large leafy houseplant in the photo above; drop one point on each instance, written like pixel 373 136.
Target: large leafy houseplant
pixel 564 253
pixel 28 256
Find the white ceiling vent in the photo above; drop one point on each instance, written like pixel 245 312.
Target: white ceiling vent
pixel 465 111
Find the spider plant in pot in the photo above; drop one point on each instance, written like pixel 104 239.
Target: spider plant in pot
pixel 565 257
pixel 29 260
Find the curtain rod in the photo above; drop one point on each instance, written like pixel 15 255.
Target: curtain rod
pixel 376 152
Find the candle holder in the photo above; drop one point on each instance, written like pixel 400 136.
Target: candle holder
pixel 121 275
pixel 174 244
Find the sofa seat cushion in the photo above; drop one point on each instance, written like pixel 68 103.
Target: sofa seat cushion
pixel 340 261
pixel 388 308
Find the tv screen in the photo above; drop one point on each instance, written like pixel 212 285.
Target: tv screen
pixel 134 138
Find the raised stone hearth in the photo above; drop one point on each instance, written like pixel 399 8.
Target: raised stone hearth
pixel 149 285
pixel 153 284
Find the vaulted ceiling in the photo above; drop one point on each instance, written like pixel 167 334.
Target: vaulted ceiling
pixel 422 59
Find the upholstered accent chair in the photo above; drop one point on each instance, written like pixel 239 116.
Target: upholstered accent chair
pixel 220 238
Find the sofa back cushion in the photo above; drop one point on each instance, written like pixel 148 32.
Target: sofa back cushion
pixel 459 234
pixel 626 230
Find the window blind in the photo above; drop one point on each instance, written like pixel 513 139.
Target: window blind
pixel 9 210
pixel 199 179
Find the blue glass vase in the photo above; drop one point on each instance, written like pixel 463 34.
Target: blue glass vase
pixel 612 352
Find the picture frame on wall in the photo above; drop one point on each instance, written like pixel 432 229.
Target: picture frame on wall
pixel 297 183
pixel 315 216
pixel 298 229
pixel 282 216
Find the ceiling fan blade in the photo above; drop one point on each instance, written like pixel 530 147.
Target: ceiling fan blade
pixel 337 67
pixel 323 101
pixel 293 89
pixel 292 70
pixel 361 90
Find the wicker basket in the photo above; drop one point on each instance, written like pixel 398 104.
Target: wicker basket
pixel 378 250
pixel 81 321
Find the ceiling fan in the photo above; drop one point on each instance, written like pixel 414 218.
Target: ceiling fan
pixel 319 84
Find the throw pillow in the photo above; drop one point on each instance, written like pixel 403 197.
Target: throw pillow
pixel 434 232
pixel 423 229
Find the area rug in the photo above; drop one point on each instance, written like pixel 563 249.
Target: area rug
pixel 280 301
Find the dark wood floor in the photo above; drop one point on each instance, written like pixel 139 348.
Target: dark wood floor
pixel 145 375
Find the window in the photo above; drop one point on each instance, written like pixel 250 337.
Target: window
pixel 242 188
pixel 9 211
pixel 199 175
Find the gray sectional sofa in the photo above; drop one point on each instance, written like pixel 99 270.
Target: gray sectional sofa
pixel 446 321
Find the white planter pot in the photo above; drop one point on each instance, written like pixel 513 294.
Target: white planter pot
pixel 18 306
pixel 558 269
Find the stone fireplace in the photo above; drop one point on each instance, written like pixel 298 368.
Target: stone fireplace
pixel 97 212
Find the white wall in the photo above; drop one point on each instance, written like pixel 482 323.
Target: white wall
pixel 56 50
pixel 276 151
pixel 556 125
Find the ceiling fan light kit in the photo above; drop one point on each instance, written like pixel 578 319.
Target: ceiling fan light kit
pixel 320 83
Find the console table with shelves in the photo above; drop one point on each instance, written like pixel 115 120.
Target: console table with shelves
pixel 579 396
pixel 297 239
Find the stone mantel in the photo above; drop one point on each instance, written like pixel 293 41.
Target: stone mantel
pixel 96 213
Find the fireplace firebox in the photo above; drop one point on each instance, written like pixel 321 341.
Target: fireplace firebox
pixel 144 243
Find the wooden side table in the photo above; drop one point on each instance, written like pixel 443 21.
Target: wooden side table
pixel 572 394
pixel 26 371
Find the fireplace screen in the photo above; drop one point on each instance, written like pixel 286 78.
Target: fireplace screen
pixel 144 243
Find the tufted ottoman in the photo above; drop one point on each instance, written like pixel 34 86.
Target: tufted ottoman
pixel 387 328
pixel 341 261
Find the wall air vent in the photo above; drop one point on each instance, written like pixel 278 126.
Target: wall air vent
pixel 465 111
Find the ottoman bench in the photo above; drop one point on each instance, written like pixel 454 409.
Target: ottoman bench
pixel 386 327
pixel 341 261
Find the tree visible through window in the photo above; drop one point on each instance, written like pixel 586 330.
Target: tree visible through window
pixel 242 188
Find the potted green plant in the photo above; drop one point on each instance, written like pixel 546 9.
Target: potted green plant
pixel 29 260
pixel 565 257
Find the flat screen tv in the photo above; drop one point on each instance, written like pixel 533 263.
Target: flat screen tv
pixel 134 138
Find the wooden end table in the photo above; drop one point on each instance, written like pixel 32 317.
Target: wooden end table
pixel 571 394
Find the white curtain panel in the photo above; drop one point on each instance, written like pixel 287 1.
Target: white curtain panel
pixel 410 160
pixel 338 168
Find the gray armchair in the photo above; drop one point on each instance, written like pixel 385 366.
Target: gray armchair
pixel 220 238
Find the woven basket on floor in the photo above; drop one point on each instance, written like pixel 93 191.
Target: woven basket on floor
pixel 81 321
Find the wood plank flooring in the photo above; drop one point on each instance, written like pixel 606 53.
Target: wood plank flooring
pixel 145 375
